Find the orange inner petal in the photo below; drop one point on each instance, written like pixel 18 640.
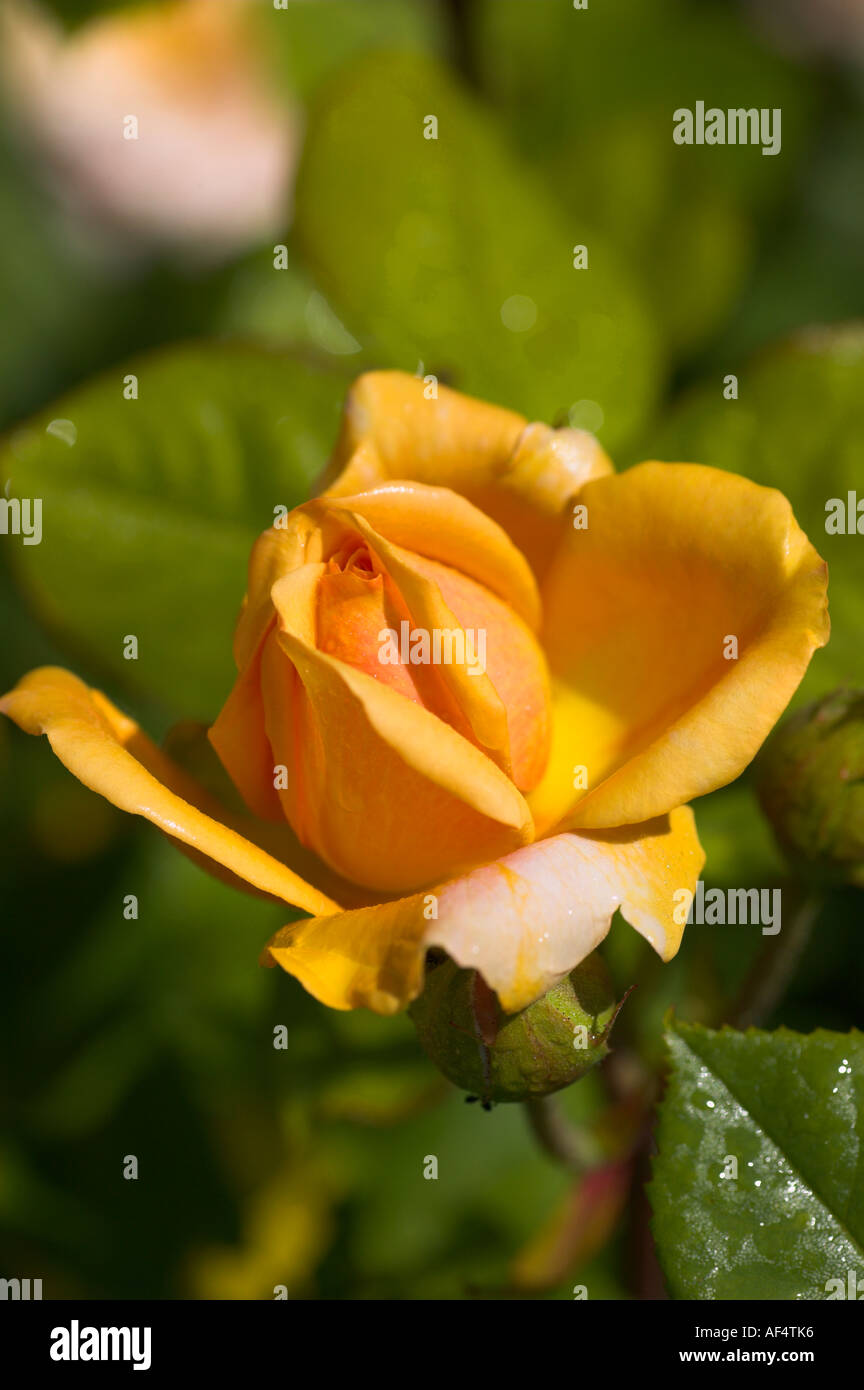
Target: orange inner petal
pixel 358 601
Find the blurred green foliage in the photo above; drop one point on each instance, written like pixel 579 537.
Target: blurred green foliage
pixel 303 1166
pixel 589 98
pixel 306 50
pixel 73 13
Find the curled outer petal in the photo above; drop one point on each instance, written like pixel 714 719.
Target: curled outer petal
pixel 677 626
pixel 521 475
pixel 524 921
pixel 108 753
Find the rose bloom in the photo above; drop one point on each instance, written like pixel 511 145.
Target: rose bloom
pixel 501 814
pixel 215 149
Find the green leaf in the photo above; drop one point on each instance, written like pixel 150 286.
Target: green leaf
pixel 150 506
pixel 798 425
pixel 427 246
pixel 790 1109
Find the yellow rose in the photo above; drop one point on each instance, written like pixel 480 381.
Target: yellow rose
pixel 608 647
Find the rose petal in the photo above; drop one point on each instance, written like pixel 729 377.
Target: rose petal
pixel 439 524
pixel 388 794
pixel 523 922
pixel 108 753
pixel 472 692
pixel 639 607
pixel 239 733
pixel 522 476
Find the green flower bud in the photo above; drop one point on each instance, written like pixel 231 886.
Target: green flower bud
pixel 514 1057
pixel 809 782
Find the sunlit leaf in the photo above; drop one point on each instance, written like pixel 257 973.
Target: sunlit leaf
pixel 445 252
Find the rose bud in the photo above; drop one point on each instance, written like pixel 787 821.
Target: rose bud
pixel 514 1057
pixel 810 783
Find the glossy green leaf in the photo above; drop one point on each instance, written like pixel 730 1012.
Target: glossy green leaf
pixel 446 251
pixel 789 1110
pixel 150 506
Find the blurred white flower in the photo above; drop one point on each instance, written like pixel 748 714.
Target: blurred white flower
pixel 160 120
